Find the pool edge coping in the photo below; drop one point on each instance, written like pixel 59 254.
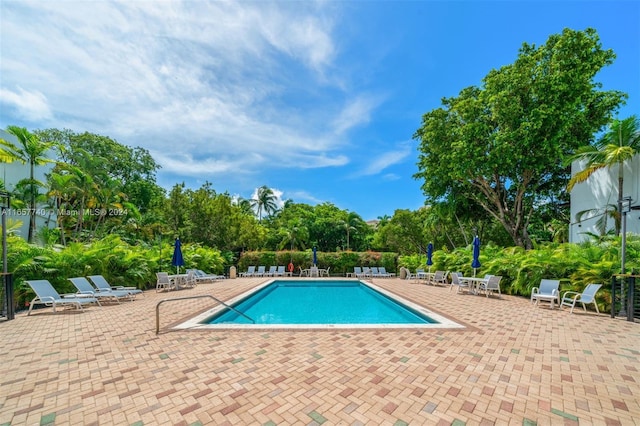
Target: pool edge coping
pixel 194 322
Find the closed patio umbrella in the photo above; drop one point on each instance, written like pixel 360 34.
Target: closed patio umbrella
pixel 177 260
pixel 315 257
pixel 475 263
pixel 429 255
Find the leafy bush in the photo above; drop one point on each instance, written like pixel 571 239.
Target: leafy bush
pixel 119 262
pixel 575 265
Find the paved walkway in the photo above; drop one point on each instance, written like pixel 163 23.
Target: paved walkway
pixel 513 364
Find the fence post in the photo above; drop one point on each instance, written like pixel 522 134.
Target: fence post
pixel 614 280
pixel 8 307
pixel 631 284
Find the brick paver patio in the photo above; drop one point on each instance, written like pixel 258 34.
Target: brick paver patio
pixel 513 364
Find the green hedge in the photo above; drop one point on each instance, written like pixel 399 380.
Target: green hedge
pixel 339 262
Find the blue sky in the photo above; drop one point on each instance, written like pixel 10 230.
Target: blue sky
pixel 317 100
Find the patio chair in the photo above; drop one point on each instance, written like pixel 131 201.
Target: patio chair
pixel 417 276
pixel 588 295
pixel 492 284
pixel 456 280
pixel 103 285
pixel 548 291
pixel 357 270
pixel 440 277
pixel 190 280
pixel 85 288
pixel 260 272
pixel 272 271
pixel 280 272
pixel 163 281
pixel 366 272
pixel 250 272
pixel 48 296
pixel 383 272
pixel 325 272
pixel 374 272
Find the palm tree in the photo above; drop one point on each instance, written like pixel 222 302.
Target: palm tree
pixel 265 200
pixel 31 150
pixel 295 237
pixel 349 224
pixel 244 205
pixel 619 145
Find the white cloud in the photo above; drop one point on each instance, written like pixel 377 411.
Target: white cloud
pixel 354 113
pixel 207 87
pixel 32 105
pixel 380 162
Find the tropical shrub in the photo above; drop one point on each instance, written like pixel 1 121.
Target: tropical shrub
pixel 575 265
pixel 119 262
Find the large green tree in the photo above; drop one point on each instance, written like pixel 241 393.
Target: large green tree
pixel 106 159
pixel 502 145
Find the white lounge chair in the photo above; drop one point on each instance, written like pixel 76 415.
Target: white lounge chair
pixel 85 288
pixel 103 285
pixel 588 295
pixel 251 270
pixel 280 272
pixel 383 272
pixel 357 270
pixel 202 276
pixel 548 291
pixel 260 272
pixel 48 296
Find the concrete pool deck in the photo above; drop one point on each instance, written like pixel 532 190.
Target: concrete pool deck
pixel 514 363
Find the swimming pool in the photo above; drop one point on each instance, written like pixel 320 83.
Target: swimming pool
pixel 319 304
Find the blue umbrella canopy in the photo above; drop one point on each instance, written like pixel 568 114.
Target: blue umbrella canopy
pixel 177 260
pixel 429 254
pixel 475 263
pixel 315 257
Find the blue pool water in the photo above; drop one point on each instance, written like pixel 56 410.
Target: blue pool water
pixel 317 302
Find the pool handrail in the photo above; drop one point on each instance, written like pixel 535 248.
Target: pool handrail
pixel 194 297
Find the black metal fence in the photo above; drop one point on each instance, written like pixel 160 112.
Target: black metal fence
pixel 625 297
pixel 7 306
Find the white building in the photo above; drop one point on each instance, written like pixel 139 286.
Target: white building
pixel 11 174
pixel 600 191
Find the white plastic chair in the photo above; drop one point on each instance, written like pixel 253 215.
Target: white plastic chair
pixel 492 284
pixel 588 295
pixel 548 291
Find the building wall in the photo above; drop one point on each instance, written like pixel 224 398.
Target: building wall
pixel 600 190
pixel 11 174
